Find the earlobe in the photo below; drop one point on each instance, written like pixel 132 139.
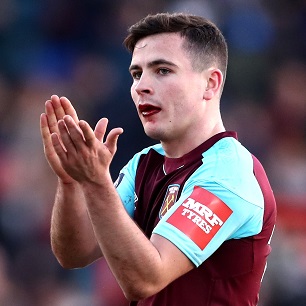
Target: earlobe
pixel 214 84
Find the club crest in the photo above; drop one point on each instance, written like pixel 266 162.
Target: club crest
pixel 170 199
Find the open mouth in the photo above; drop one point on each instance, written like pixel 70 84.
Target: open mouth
pixel 148 109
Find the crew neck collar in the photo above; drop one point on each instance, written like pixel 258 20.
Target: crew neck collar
pixel 172 164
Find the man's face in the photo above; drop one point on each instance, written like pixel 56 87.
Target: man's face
pixel 166 90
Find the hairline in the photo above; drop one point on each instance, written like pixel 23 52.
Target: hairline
pixel 187 46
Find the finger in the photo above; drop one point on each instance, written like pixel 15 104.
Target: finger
pixel 44 128
pixel 51 117
pixel 65 137
pixel 88 133
pixel 100 129
pixel 45 132
pixel 47 141
pixel 112 139
pixel 46 136
pixel 72 133
pixel 57 107
pixel 59 150
pixel 69 109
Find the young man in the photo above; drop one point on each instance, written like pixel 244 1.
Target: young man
pixel 188 221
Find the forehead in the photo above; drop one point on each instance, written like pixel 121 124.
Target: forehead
pixel 167 46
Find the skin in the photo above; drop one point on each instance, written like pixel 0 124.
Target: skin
pixel 167 80
pixel 176 105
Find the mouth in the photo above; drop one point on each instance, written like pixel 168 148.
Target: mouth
pixel 148 109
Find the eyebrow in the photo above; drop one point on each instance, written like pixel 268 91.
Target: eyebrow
pixel 154 63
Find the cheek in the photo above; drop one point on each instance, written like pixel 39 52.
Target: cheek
pixel 133 94
pixel 179 98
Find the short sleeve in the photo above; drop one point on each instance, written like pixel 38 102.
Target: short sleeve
pixel 217 203
pixel 125 183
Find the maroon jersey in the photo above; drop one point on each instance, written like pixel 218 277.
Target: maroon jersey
pixel 231 273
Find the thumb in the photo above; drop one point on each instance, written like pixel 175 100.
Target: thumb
pixel 112 139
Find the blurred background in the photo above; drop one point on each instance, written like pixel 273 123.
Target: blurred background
pixel 74 48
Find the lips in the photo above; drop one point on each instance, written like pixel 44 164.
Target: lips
pixel 148 109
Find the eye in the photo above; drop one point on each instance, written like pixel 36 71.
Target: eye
pixel 136 75
pixel 163 71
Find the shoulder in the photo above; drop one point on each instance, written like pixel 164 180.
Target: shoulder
pixel 226 158
pixel 227 150
pixel 228 170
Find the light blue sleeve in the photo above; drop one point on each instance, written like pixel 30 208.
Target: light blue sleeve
pixel 125 183
pixel 230 178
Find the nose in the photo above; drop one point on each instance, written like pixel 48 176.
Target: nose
pixel 144 85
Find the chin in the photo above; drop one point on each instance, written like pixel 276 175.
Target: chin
pixel 153 136
pixel 156 135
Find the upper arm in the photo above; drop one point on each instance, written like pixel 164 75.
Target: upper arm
pixel 201 221
pixel 174 262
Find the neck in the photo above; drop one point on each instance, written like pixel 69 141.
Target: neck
pixel 176 148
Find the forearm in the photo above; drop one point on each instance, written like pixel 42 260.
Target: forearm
pixel 131 256
pixel 72 237
pixel 141 266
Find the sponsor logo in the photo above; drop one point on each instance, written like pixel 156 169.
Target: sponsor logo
pixel 170 199
pixel 200 216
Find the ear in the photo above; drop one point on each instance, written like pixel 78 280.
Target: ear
pixel 214 79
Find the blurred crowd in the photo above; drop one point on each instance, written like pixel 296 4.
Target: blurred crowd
pixel 74 48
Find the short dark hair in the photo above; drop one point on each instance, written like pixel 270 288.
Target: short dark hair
pixel 203 39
